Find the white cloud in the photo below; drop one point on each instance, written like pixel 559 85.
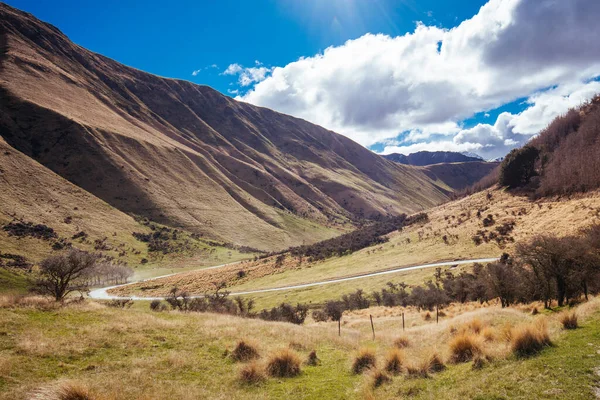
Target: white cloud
pixel 509 130
pixel 428 81
pixel 233 69
pixel 248 76
pixel 196 72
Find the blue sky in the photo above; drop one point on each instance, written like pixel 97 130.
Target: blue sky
pixel 175 38
pixel 394 75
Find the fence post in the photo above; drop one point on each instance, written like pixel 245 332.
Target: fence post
pixel 372 326
pixel 437 314
pixel 402 321
pixel 340 327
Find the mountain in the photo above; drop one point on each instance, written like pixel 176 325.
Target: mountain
pixel 458 176
pixel 182 154
pixel 423 158
pixel 472 155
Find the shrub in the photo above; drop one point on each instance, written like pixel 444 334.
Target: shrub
pixel 364 360
pixel 319 316
pixel 313 360
pixel 379 378
pixel 284 364
pixel 518 167
pixel 24 229
pixel 427 316
pixel 244 352
pixel 157 305
pixel 120 303
pixel 464 347
pixel 394 361
pixel 252 373
pixel 569 320
pixel 402 342
pixel 528 340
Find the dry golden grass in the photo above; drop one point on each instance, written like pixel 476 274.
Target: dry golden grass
pixel 527 340
pixel 436 364
pixel 402 342
pixel 464 347
pixel 394 360
pixel 489 334
pixel 365 360
pixel 252 373
pixel 284 363
pixel 68 390
pixel 569 320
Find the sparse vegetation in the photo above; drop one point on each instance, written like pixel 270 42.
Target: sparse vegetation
pixel 464 347
pixel 244 351
pixel 530 339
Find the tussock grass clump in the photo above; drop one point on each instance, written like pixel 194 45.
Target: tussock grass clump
pixel 252 373
pixel 528 340
pixel 244 351
pixel 427 316
pixel 284 364
pixel 402 342
pixel 394 361
pixel 569 320
pixel 66 391
pixel 436 364
pixel 418 370
pixel 364 360
pixel 312 359
pixel 464 347
pixel 379 378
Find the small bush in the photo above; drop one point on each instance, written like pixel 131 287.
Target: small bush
pixel 394 361
pixel 379 378
pixel 402 342
pixel 528 340
pixel 120 303
pixel 427 316
pixel 244 352
pixel 157 305
pixel 364 360
pixel 569 320
pixel 284 364
pixel 464 347
pixel 312 359
pixel 252 373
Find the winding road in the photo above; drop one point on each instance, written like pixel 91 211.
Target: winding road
pixel 102 293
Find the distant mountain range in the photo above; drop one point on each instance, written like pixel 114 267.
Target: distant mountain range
pixel 423 158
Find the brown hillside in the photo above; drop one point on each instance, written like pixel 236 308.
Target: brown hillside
pixel 458 176
pixel 184 154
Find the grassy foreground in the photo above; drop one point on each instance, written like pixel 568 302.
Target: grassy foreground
pixel 137 354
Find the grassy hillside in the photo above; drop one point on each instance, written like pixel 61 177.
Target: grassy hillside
pixel 132 354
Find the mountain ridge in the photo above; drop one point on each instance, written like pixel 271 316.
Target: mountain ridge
pixel 184 154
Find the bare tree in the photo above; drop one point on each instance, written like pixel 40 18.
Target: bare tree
pixel 61 274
